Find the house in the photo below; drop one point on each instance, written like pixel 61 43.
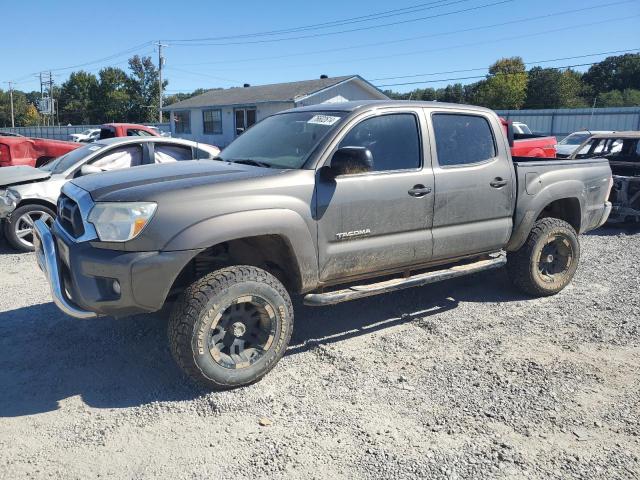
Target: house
pixel 219 116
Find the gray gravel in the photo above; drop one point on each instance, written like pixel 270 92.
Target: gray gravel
pixel 465 379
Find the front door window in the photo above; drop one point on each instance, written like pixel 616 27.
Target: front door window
pixel 245 118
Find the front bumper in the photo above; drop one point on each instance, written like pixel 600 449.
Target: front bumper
pixel 81 277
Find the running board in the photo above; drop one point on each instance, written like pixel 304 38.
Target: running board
pixel 361 291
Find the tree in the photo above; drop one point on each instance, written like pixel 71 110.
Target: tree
pixel 617 98
pixel 551 88
pixel 143 90
pixel 111 96
pixel 505 86
pixel 615 73
pixel 452 93
pixel 76 97
pixel 31 116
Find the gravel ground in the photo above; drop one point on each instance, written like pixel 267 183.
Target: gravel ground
pixel 465 379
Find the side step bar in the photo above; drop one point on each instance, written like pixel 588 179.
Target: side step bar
pixel 361 291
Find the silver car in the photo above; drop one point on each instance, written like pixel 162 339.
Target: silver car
pixel 28 194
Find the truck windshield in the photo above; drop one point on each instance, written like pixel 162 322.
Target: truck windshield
pixel 282 141
pixel 63 163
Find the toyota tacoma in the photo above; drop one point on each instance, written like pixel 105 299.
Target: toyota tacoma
pixel 331 202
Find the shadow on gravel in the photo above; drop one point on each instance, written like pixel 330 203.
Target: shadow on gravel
pixel 47 357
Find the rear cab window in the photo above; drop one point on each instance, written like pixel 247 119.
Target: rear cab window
pixel 462 139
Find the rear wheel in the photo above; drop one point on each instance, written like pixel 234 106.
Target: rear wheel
pixel 18 229
pixel 231 327
pixel 548 260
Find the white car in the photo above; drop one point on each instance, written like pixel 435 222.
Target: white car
pixel 160 132
pixel 88 135
pixel 28 194
pixel 521 128
pixel 570 143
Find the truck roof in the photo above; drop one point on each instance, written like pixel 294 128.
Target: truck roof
pixel 630 134
pixel 363 104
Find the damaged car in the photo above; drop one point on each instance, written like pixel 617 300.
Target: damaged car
pixel 28 194
pixel 622 149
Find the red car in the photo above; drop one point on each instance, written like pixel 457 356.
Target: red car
pixel 529 145
pixel 110 130
pixel 34 152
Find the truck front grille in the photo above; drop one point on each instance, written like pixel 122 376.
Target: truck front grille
pixel 69 216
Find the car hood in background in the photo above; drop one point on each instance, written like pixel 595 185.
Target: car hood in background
pixel 21 174
pixel 146 182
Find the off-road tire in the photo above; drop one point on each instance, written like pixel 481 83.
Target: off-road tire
pixel 205 299
pixel 523 264
pixel 10 225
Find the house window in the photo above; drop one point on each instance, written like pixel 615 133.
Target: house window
pixel 245 118
pixel 182 121
pixel 212 120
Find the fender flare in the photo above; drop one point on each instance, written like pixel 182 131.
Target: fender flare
pixel 285 223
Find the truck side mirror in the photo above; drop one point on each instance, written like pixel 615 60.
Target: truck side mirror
pixel 89 170
pixel 349 160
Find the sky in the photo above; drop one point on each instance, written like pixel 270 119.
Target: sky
pixel 416 44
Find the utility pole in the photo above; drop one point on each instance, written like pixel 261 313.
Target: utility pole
pixel 160 65
pixel 11 97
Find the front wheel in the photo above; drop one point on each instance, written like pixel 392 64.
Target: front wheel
pixel 547 261
pixel 18 229
pixel 231 327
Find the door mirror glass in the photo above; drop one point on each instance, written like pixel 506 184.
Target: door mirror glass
pixel 89 170
pixel 350 160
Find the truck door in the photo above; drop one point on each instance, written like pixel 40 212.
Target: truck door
pixel 378 220
pixel 474 185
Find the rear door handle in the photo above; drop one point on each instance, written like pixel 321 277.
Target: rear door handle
pixel 419 191
pixel 498 182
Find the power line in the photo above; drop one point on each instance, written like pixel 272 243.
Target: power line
pixel 479 76
pixel 485 68
pixel 334 23
pixel 407 39
pixel 359 29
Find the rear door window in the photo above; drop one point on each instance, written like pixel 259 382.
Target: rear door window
pixel 462 139
pixel 172 153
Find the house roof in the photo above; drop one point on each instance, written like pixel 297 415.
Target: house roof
pixel 277 92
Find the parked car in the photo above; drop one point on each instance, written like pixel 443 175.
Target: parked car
pixel 622 149
pixel 28 194
pixel 111 130
pixel 529 144
pixel 4 133
pixel 335 202
pixel 570 143
pixel 86 136
pixel 34 152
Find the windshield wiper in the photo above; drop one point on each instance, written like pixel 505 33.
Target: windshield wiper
pixel 249 161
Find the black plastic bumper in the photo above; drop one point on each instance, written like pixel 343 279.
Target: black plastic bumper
pixel 86 276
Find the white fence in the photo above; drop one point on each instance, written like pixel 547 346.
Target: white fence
pixel 64 132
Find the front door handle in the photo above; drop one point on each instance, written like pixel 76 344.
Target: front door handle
pixel 419 191
pixel 498 182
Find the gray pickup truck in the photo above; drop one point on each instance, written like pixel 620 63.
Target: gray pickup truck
pixel 332 202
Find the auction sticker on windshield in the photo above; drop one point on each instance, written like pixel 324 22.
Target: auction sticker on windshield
pixel 323 119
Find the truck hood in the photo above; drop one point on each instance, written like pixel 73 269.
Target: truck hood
pixel 21 174
pixel 149 182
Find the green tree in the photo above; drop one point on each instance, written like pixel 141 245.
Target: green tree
pixel 111 96
pixel 76 95
pixel 615 73
pixel 31 116
pixel 616 98
pixel 143 90
pixel 551 88
pixel 505 86
pixel 452 93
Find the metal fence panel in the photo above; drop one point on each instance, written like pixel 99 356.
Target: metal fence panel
pixel 562 122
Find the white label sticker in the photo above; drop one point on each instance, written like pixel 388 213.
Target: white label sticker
pixel 324 119
pixel 94 148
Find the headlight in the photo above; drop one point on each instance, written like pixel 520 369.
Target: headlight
pixel 120 221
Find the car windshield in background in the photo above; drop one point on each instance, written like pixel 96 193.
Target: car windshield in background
pixel 282 141
pixel 63 163
pixel 575 139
